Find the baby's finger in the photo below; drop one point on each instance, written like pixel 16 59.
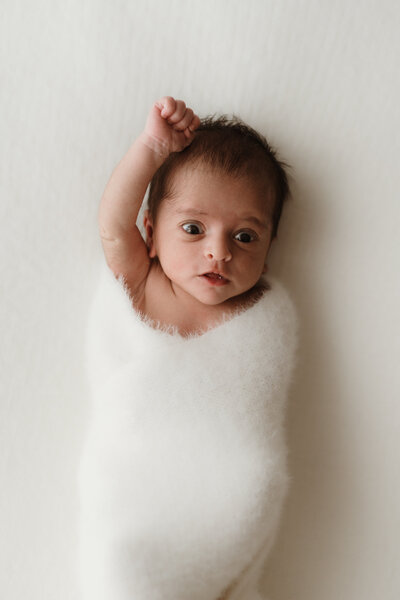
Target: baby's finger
pixel 166 106
pixel 189 135
pixel 185 121
pixel 177 115
pixel 195 123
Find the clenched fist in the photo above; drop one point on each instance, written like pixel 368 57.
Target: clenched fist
pixel 170 126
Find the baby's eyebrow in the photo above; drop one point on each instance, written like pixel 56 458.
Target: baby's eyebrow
pixel 196 211
pixel 254 220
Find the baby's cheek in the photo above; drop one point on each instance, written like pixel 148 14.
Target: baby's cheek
pixel 176 262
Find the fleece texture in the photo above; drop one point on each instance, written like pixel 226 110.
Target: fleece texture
pixel 183 472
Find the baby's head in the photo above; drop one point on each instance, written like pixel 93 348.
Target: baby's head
pixel 215 208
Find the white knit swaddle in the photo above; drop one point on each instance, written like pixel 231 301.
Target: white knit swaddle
pixel 184 468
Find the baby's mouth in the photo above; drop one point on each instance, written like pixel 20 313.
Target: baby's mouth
pixel 215 277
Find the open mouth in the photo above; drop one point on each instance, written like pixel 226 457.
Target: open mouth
pixel 215 278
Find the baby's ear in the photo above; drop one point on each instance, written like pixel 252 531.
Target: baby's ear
pixel 148 227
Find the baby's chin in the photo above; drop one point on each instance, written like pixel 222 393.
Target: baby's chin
pixel 233 297
pixel 210 298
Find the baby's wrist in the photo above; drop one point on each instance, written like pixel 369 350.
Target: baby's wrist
pixel 158 147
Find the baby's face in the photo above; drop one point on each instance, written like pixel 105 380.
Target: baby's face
pixel 212 237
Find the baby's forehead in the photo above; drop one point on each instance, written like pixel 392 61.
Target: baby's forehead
pixel 203 184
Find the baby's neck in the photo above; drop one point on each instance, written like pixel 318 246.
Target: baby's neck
pixel 180 310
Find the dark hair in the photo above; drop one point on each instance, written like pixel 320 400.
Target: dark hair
pixel 236 149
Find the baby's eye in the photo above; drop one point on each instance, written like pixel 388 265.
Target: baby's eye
pixel 245 237
pixel 192 228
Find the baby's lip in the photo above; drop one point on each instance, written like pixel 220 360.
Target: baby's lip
pixel 215 274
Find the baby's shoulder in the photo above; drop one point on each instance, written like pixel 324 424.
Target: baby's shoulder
pixel 154 285
pixel 155 299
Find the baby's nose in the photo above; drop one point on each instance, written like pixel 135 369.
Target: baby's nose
pixel 218 249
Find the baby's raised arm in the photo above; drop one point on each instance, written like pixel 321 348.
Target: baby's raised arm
pixel 170 127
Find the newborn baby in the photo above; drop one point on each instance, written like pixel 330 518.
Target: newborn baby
pixel 190 354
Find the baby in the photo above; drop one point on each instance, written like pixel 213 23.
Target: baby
pixel 183 472
pixel 215 201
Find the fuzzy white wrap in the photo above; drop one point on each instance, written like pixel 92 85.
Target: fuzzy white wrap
pixel 183 472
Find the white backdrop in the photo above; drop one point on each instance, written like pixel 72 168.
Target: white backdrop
pixel 320 79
